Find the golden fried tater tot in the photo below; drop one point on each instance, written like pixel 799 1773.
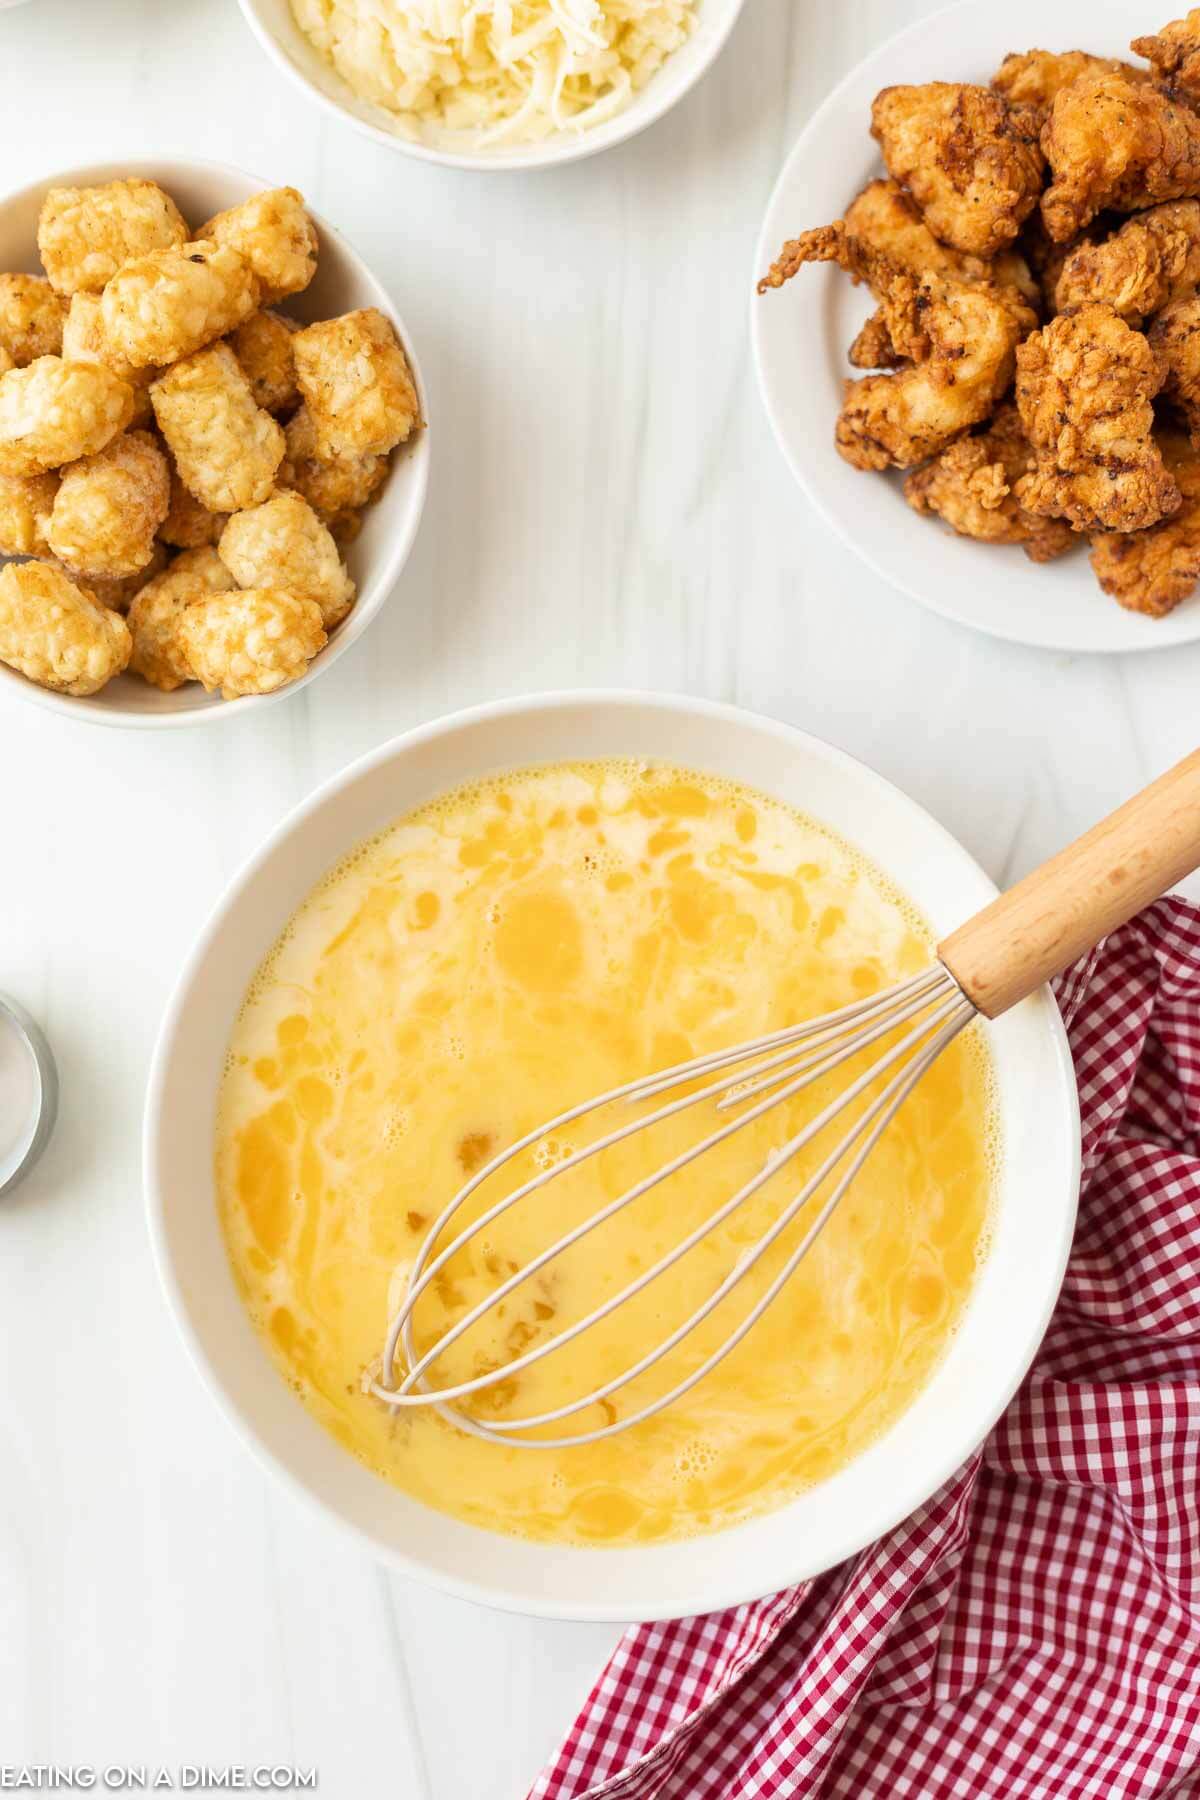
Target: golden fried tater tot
pixel 56 633
pixel 344 527
pixel 54 412
pixel 263 346
pixel 31 318
pixel 109 506
pixel 84 340
pixel 86 234
pixel 120 592
pixel 7 361
pixel 333 487
pixel 275 235
pixel 164 306
pixel 188 525
pixel 225 447
pixel 251 641
pixel 283 543
pixel 25 506
pixel 356 380
pixel 154 617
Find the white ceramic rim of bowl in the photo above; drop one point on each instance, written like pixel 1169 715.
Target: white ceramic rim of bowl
pixel 1117 631
pixel 697 1575
pixel 680 72
pixel 414 462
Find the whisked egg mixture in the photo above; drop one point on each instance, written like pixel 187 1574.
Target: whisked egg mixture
pixel 489 961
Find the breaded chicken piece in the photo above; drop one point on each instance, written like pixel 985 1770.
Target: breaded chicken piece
pixel 1151 571
pixel 1154 258
pixel 332 487
pixel 188 525
pixel 252 641
pixel 155 615
pixel 1034 77
pixel 163 307
pixel 84 340
pixel 961 339
pixel 1085 383
pixel 970 485
pixel 872 347
pixel 282 543
pixel 53 412
pixel 226 448
pixel 970 162
pixel 1174 54
pixel 1113 141
pixel 275 235
pixel 1175 340
pixel 355 377
pixel 26 502
pixel 86 234
pixel 263 346
pixel 31 318
pixel 56 633
pixel 109 507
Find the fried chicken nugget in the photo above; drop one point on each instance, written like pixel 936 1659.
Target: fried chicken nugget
pixel 1175 339
pixel 109 507
pixel 1154 258
pixel 26 502
pixel 31 318
pixel 356 380
pixel 226 448
pixel 157 611
pixel 1034 77
pixel 188 525
pixel 263 346
pixel 283 543
pixel 86 234
pixel 970 485
pixel 1085 383
pixel 275 235
pixel 251 641
pixel 1174 54
pixel 334 487
pixel 53 412
pixel 56 633
pixel 970 162
pixel 962 340
pixel 1114 141
pixel 1151 571
pixel 84 340
pixel 164 306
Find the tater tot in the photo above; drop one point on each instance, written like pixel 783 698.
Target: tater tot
pixel 31 318
pixel 119 593
pixel 109 507
pixel 155 615
pixel 188 525
pixel 283 543
pixel 275 235
pixel 25 506
pixel 263 346
pixel 84 340
pixel 356 380
pixel 251 641
pixel 86 234
pixel 56 633
pixel 226 448
pixel 164 306
pixel 54 412
pixel 334 487
pixel 7 361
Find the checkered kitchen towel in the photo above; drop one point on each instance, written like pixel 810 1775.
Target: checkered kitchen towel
pixel 1033 1632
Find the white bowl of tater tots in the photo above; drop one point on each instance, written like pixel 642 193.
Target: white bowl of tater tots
pixel 213 443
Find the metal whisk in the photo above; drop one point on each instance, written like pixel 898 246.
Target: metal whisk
pixel 985 967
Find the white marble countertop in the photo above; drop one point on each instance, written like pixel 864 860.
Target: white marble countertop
pixel 607 508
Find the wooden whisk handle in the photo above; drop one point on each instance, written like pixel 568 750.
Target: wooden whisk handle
pixel 1062 909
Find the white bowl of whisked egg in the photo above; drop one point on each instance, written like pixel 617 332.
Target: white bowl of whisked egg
pixel 213 452
pixel 478 926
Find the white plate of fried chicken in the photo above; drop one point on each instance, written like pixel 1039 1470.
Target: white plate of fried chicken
pixel 978 326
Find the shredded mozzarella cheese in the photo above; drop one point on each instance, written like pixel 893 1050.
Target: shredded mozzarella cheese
pixel 495 72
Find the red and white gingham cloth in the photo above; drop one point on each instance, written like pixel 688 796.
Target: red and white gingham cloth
pixel 1033 1632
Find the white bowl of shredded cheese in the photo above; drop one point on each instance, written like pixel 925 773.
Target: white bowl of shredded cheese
pixel 495 84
